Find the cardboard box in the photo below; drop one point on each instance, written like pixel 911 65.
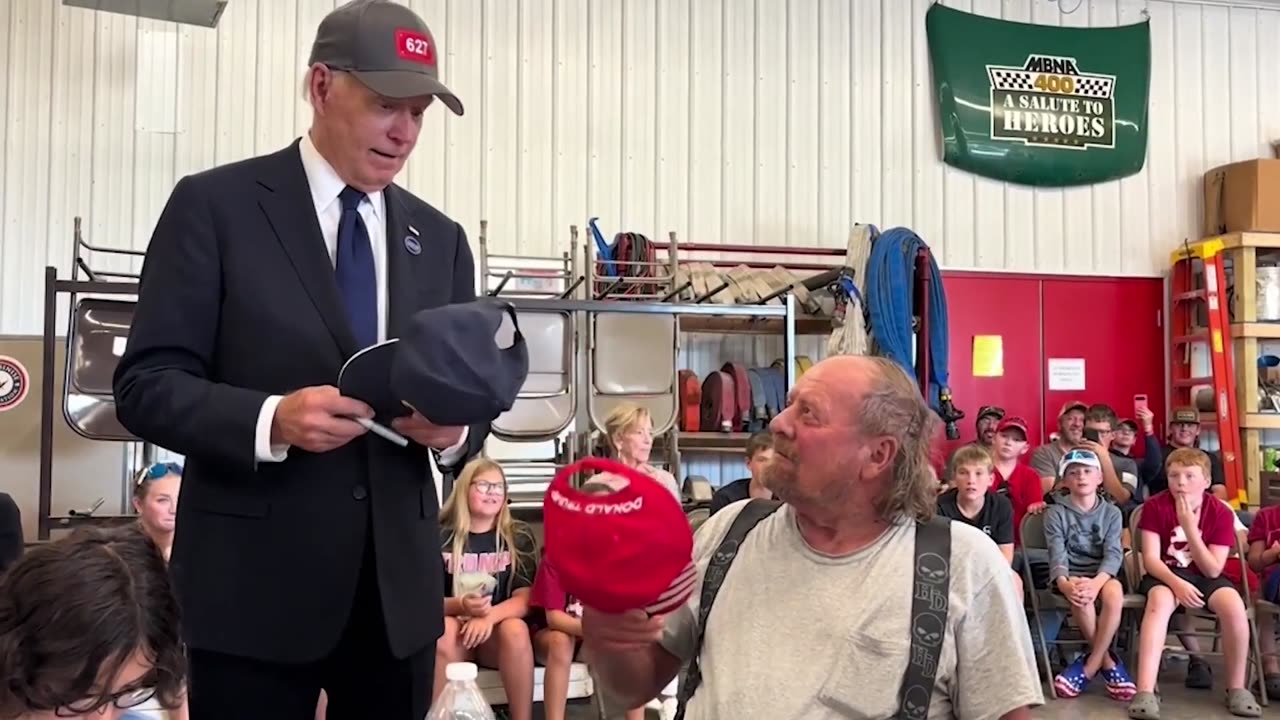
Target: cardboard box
pixel 1242 197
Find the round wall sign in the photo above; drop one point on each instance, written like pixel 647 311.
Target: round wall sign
pixel 14 383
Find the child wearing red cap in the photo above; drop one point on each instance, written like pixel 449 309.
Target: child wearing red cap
pixel 1013 479
pixel 489 564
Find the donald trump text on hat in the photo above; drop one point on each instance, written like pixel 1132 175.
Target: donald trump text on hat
pixel 598 508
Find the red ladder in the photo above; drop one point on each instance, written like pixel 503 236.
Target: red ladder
pixel 1193 288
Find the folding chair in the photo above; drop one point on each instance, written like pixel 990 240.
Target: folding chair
pixel 1253 666
pixel 633 359
pixel 96 338
pixel 1266 607
pixel 1033 538
pixel 697 494
pixel 544 407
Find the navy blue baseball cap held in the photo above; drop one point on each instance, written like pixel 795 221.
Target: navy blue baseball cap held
pixel 450 367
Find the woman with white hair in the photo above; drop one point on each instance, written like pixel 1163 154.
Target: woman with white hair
pixel 629 433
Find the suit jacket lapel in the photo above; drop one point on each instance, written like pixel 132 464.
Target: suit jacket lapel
pixel 291 211
pixel 400 288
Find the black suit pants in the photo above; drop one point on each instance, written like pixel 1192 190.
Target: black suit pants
pixel 361 677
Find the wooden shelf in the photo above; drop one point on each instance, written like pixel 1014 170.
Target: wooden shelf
pixel 805 325
pixel 1269 241
pixel 714 442
pixel 1260 330
pixel 1260 421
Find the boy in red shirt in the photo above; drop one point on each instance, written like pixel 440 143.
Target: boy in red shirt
pixel 1186 535
pixel 557 637
pixel 1264 559
pixel 1014 480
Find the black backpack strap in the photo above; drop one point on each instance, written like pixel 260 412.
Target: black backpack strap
pixel 930 601
pixel 717 569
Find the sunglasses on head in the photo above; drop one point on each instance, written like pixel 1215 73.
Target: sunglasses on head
pixel 1080 455
pixel 159 470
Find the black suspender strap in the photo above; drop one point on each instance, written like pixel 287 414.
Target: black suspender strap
pixel 930 601
pixel 717 569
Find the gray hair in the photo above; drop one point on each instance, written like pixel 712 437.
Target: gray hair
pixel 306 81
pixel 306 84
pixel 893 407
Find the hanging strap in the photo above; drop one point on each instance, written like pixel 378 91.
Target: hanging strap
pixel 751 515
pixel 930 601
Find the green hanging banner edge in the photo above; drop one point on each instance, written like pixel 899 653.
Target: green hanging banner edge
pixel 1040 105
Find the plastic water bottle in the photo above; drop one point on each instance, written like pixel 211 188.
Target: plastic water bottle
pixel 461 698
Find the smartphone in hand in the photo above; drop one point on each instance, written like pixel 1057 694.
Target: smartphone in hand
pixel 1139 402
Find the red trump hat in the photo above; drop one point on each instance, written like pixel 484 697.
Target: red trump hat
pixel 629 549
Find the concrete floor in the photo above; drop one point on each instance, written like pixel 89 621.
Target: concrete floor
pixel 1179 703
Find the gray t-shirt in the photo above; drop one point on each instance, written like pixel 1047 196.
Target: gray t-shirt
pixel 1045 459
pixel 797 635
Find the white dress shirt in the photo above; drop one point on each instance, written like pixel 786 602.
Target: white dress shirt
pixel 326 185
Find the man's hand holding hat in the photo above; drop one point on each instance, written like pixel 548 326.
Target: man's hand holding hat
pixel 426 433
pixel 621 545
pixel 612 633
pixel 445 374
pixel 318 419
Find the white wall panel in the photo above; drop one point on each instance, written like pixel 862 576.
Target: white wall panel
pixel 771 121
pixel 744 121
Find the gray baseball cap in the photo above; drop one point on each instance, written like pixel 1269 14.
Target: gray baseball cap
pixel 386 46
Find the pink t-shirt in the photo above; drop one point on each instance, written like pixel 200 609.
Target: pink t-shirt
pixel 1266 529
pixel 1160 516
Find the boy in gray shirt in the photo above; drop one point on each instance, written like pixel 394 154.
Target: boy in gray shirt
pixel 1082 531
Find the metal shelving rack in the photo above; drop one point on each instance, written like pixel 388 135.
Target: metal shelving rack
pixel 1247 332
pixel 706 318
pixel 84 280
pixel 591 293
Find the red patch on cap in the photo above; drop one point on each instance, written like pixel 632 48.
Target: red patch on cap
pixel 415 46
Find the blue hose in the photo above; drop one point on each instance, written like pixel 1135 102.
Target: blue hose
pixel 603 249
pixel 888 287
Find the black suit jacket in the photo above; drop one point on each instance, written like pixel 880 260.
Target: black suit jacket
pixel 11 538
pixel 238 302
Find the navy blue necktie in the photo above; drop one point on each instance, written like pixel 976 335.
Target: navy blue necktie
pixel 357 281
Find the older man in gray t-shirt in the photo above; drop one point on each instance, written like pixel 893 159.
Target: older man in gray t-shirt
pixel 798 634
pixel 813 620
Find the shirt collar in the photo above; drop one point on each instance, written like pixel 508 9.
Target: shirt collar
pixel 324 180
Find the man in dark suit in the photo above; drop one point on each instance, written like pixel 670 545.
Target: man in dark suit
pixel 307 553
pixel 11 538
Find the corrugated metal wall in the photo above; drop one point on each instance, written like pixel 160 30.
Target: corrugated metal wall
pixel 723 120
pixel 765 121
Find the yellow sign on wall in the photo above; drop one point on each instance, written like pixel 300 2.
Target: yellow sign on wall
pixel 988 356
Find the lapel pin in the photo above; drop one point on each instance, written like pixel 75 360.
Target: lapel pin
pixel 412 245
pixel 413 230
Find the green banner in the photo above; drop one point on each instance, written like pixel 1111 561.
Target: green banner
pixel 1040 105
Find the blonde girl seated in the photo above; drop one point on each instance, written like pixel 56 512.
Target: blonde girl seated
pixel 489 566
